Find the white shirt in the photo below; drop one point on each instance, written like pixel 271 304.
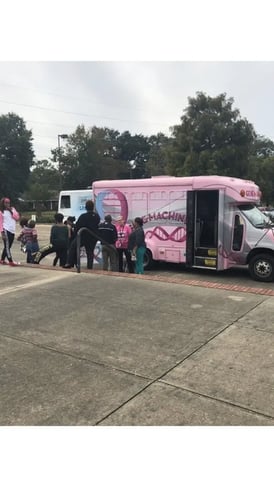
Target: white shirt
pixel 9 223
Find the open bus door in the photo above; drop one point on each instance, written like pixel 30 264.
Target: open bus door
pixel 202 228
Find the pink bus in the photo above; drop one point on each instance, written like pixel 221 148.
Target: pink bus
pixel 208 222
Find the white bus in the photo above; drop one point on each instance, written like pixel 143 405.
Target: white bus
pixel 72 202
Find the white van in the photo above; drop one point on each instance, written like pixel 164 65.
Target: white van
pixel 72 202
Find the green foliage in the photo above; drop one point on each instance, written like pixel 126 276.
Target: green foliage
pixel 158 154
pixel 16 155
pixel 43 182
pixel 43 217
pixel 212 139
pixel 100 153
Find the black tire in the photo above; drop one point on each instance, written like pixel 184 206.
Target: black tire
pixel 261 267
pixel 148 260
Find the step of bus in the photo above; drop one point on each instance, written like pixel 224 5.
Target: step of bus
pixel 205 261
pixel 206 251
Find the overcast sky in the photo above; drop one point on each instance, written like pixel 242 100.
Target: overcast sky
pixel 142 97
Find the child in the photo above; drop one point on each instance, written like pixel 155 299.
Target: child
pixel 29 238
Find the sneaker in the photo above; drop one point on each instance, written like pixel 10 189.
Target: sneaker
pixel 3 262
pixel 13 264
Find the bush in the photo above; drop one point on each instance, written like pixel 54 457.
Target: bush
pixel 45 217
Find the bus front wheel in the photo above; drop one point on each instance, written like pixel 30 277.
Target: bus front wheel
pixel 261 267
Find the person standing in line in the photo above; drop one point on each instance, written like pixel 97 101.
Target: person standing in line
pixel 89 220
pixel 29 238
pixel 71 234
pixel 108 234
pixel 8 218
pixel 123 232
pixel 137 245
pixel 59 238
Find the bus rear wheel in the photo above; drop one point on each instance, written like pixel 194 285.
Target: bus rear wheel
pixel 261 267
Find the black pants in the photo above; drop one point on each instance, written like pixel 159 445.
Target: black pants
pixel 61 253
pixel 7 246
pixel 130 265
pixel 89 246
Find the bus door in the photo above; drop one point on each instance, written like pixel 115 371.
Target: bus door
pixel 202 228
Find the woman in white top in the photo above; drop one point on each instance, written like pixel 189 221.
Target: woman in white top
pixel 8 219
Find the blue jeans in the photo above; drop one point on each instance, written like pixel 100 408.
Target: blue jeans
pixel 139 265
pixel 31 247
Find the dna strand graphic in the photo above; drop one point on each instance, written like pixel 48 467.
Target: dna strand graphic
pixel 178 234
pixel 97 254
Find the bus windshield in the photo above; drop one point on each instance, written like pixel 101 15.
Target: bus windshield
pixel 255 216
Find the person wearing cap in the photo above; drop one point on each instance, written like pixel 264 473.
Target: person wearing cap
pixel 8 218
pixel 123 232
pixel 108 234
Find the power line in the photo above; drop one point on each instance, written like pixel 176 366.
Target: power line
pixel 50 123
pixel 3 83
pixel 77 113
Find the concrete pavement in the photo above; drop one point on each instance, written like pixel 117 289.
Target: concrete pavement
pixel 100 349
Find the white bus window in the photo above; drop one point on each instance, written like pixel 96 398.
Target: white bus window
pixel 65 201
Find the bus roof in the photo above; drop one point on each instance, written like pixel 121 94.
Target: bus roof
pixel 197 182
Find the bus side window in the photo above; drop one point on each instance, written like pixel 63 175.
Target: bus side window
pixel 65 201
pixel 237 234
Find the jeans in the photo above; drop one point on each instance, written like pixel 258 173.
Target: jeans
pixel 31 247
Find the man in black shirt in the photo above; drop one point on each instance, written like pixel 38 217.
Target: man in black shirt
pixel 109 236
pixel 89 220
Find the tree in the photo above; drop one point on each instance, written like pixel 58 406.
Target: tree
pixel 16 155
pixel 133 148
pixel 100 153
pixel 43 182
pixel 212 139
pixel 261 167
pixel 89 154
pixel 158 154
pixel 45 173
